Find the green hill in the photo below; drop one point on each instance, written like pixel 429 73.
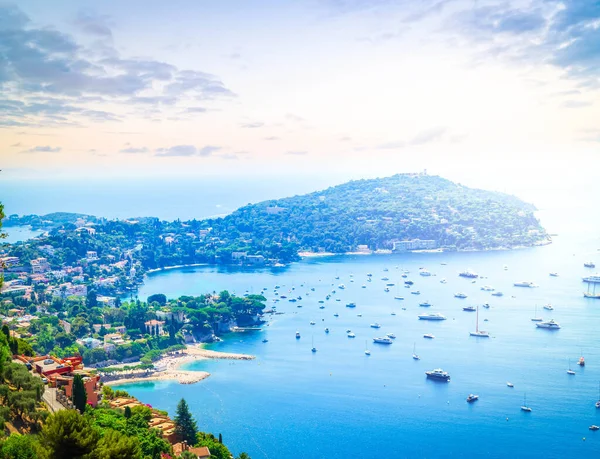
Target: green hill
pixel 379 211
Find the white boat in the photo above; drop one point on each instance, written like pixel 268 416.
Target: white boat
pixel 424 273
pixel 593 279
pixel 469 308
pixel 594 427
pixel 367 351
pixel 524 407
pixel 509 384
pixel 314 349
pixel 556 275
pixel 350 305
pixel 375 325
pixel 460 295
pixel 428 336
pixel 383 340
pixel 535 318
pixel 469 274
pixel 570 371
pixel 479 333
pixel 341 286
pixel 416 292
pixel 551 324
pixel 549 307
pixel 472 398
pixel 425 304
pixel 391 335
pixel 497 294
pixel 398 297
pixel 432 316
pixel 589 264
pixel 438 373
pixel 351 335
pixel 443 281
pixel 415 356
pixel 525 284
pixel 487 288
pixel 598 402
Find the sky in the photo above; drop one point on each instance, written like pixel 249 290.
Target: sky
pixel 499 94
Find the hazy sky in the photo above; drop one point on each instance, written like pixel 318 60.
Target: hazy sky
pixel 479 89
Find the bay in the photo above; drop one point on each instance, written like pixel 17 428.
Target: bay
pixel 340 403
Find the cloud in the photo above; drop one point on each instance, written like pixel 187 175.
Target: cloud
pixel 273 137
pixel 134 150
pixel 292 117
pixel 195 110
pixel 296 153
pixel 93 24
pixel 42 149
pixel 253 125
pixel 575 104
pixel 430 135
pixel 187 150
pixel 391 145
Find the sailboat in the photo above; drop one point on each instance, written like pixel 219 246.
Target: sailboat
pixel 536 318
pixel 415 356
pixel 569 371
pixel 367 351
pixel 524 407
pixel 477 332
pixel 314 349
pixel 397 296
pixel 598 402
pixel 593 293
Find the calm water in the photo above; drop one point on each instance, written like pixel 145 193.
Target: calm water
pixel 19 233
pixel 339 403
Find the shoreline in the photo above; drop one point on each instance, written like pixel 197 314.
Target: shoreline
pixel 166 268
pixel 173 364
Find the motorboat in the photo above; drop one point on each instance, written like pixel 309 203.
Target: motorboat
pixel 472 398
pixel 416 292
pixel 460 295
pixel 351 335
pixel 424 273
pixel 525 284
pixel 312 322
pixel 429 336
pixel 469 274
pixel 398 297
pixel 594 427
pixel 509 384
pixel 265 340
pixel 443 281
pixel 589 264
pixel 350 305
pixel 409 282
pixel 375 325
pixel 432 316
pixel 497 294
pixel 327 330
pixel 383 340
pixel 438 374
pixel 553 274
pixel 390 284
pixel 469 308
pixel 425 304
pixel 391 335
pixel 551 324
pixel 487 288
pixel 297 335
pixel 387 289
pixel 486 305
pixel 549 307
pixel 593 279
pixel 341 286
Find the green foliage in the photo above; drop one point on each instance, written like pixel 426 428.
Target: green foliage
pixel 243 456
pixel 217 450
pixel 127 412
pixel 19 447
pixel 67 434
pixel 160 298
pixel 185 425
pixel 114 445
pixel 79 393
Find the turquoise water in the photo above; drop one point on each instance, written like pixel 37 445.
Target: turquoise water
pixel 339 403
pixel 19 233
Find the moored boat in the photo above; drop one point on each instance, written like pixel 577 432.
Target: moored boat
pixel 438 374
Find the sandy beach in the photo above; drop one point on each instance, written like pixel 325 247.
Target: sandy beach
pixel 173 364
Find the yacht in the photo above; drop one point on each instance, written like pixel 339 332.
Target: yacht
pixel 589 264
pixel 398 297
pixel 460 295
pixel 312 322
pixel 487 288
pixel 551 324
pixel 524 407
pixel 292 300
pixel 391 335
pixel 425 304
pixel 469 308
pixel 509 384
pixel 321 307
pixel 594 278
pixel 351 305
pixel 408 282
pixel 432 316
pixel 472 398
pixel 438 373
pixel 341 286
pixel 327 330
pixel 428 336
pixel 479 333
pixel 469 274
pixel 415 356
pixel 383 340
pixel 549 307
pixel 375 325
pixel 553 274
pixel 524 284
pixel 425 273
pixel 536 318
pixel 351 335
pixel 497 294
pixel 416 292
pixel 594 427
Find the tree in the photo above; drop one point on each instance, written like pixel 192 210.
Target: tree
pixel 127 412
pixel 92 298
pixel 79 394
pixel 68 434
pixel 243 456
pixel 115 445
pixel 19 447
pixel 160 298
pixel 185 425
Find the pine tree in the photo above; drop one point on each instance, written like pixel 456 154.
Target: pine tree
pixel 171 333
pixel 79 394
pixel 185 425
pixel 127 412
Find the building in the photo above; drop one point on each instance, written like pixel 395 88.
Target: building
pixel 109 301
pixel 40 265
pixel 255 260
pixel 91 255
pixel 201 452
pixel 9 262
pixel 415 244
pixel 90 382
pixel 156 325
pixel 69 289
pixel 178 316
pixel 238 255
pixel 90 343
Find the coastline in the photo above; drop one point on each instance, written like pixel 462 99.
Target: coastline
pixel 166 268
pixel 173 363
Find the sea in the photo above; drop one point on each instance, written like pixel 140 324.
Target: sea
pixel 341 403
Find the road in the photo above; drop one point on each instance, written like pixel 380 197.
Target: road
pixel 49 398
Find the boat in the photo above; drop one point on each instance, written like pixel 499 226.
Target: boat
pixel 443 281
pixel 524 407
pixel 505 268
pixel 297 335
pixel 367 351
pixel 341 286
pixel 428 336
pixel 351 335
pixel 525 284
pixel 312 322
pixel 336 315
pixel 592 295
pixel 313 349
pixel 321 301
pixel 477 332
pixel 385 270
pixel 415 356
pixel 416 292
pixel 363 286
pixel 460 295
pixel 425 304
pixel 469 308
pixel 549 307
pixel 535 318
pixel 569 371
pixel 593 279
pixel 589 264
pixel 265 340
pixel 472 398
pixel 486 305
pixel 375 325
pixel 438 374
pixel 321 307
pixel 327 330
pixel 391 335
pixel 553 274
pixel 509 384
pixel 469 274
pixel 598 402
pixel 551 324
pixel 390 284
pixel 432 316
pixel 487 288
pixel 369 274
pixel 350 305
pixel 398 297
pixel 409 282
pixel 386 289
pixel 424 273
pixel 497 294
pixel 581 362
pixel 594 427
pixel 385 278
pixel 383 340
